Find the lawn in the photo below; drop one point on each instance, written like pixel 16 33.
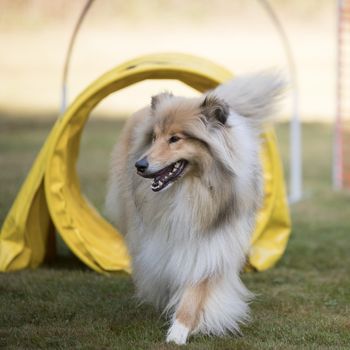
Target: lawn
pixel 303 303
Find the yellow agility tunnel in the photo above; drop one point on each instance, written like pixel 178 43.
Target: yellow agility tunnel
pixel 50 199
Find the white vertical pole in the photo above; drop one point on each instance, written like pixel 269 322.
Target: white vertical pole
pixel 295 193
pixel 64 94
pixel 295 190
pixel 63 97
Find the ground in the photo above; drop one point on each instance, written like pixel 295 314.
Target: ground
pixel 302 303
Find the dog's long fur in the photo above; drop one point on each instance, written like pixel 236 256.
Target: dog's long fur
pixel 190 241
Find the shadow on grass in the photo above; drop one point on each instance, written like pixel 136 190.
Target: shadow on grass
pixel 66 262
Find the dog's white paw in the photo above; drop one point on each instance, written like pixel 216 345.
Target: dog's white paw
pixel 177 333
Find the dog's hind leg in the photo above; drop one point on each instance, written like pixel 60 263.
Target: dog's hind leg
pixel 188 313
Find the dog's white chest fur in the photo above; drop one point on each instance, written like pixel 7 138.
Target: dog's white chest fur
pixel 172 250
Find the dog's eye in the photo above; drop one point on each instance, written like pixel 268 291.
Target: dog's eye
pixel 174 139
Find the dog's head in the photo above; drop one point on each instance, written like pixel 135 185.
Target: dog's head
pixel 178 142
pixel 193 135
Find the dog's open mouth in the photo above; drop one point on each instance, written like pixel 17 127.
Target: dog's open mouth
pixel 168 175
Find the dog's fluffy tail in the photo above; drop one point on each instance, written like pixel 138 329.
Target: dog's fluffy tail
pixel 255 95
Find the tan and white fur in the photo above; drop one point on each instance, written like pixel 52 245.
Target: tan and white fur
pixel 189 240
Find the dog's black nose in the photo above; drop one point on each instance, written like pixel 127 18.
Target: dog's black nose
pixel 142 164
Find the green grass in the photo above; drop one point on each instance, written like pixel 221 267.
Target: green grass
pixel 303 303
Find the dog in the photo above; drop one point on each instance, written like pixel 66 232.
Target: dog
pixel 185 187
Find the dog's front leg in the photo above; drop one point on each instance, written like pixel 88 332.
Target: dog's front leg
pixel 187 315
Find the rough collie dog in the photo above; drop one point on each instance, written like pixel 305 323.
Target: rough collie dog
pixel 185 186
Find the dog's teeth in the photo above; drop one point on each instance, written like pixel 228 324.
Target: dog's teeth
pixel 160 183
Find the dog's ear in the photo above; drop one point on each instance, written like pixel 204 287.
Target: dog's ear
pixel 155 100
pixel 215 110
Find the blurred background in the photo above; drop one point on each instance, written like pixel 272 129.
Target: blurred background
pixel 34 37
pixel 238 34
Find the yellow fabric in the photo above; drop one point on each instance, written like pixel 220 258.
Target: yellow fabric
pixel 51 193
